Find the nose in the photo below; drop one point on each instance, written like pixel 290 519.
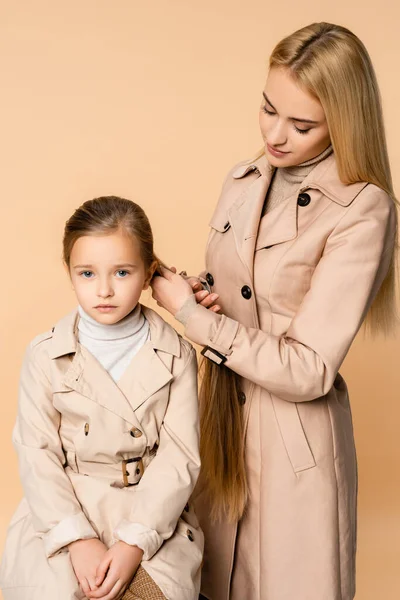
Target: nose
pixel 105 289
pixel 277 134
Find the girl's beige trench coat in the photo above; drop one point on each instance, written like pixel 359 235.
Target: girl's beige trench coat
pixel 294 289
pixel 81 438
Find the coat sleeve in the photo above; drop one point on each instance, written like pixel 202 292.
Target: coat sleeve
pixel 57 515
pixel 169 480
pixel 302 364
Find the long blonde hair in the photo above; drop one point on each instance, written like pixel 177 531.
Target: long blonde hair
pixel 334 66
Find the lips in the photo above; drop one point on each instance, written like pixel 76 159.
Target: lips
pixel 275 151
pixel 104 308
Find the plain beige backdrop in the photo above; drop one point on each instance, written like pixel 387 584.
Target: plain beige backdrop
pixel 155 101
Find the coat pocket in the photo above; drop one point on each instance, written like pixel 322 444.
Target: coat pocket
pixel 293 435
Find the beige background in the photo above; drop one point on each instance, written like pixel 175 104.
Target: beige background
pixel 155 101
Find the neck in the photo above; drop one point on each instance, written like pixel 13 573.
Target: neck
pixel 128 326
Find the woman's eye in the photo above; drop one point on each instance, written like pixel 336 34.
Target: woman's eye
pixel 266 110
pixel 86 274
pixel 122 273
pixel 302 131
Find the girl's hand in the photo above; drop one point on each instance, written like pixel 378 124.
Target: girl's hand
pixel 116 570
pixel 86 555
pixel 171 291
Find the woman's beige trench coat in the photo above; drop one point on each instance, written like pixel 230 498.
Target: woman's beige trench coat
pixel 294 288
pixel 77 432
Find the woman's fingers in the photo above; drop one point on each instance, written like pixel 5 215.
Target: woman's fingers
pixel 195 283
pixel 167 273
pixel 215 308
pixel 201 295
pixel 209 300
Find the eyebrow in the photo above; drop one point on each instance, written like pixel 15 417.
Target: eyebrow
pixel 291 118
pixel 115 266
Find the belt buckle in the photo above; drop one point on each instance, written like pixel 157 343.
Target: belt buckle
pixel 125 473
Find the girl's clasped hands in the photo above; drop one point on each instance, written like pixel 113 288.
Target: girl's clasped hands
pixel 104 573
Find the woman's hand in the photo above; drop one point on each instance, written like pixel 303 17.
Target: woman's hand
pixel 116 570
pixel 86 555
pixel 172 290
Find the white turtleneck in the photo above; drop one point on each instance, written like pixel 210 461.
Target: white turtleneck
pixel 115 345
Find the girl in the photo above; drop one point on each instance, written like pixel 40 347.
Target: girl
pixel 106 433
pixel 301 249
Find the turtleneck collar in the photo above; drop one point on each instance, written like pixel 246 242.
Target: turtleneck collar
pixel 286 180
pixel 127 327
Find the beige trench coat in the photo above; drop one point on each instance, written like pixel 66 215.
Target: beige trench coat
pixel 75 429
pixel 294 289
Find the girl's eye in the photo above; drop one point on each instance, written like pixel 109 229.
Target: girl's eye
pixel 269 112
pixel 302 131
pixel 86 274
pixel 122 273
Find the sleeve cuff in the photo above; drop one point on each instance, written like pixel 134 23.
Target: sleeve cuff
pixel 136 534
pixel 208 328
pixel 186 309
pixel 70 529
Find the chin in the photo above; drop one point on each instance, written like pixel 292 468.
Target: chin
pixel 279 162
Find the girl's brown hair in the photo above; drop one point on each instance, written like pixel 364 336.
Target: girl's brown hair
pixel 334 66
pixel 105 215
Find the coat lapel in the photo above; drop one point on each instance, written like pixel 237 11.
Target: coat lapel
pixel 279 225
pixel 145 376
pixel 148 372
pixel 87 377
pixel 244 218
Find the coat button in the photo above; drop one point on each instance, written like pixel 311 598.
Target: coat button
pixel 242 398
pixel 303 199
pixel 226 226
pixel 246 292
pixel 210 279
pixel 86 429
pixel 136 433
pixel 189 533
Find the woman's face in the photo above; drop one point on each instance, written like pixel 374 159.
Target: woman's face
pixel 292 122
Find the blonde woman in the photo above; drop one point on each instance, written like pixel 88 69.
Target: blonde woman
pixel 301 251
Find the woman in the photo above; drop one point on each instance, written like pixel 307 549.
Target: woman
pixel 301 249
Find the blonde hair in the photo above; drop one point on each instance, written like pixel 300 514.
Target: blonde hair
pixel 334 66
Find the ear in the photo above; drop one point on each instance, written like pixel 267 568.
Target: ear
pixel 153 267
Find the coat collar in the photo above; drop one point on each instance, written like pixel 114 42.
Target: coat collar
pixel 323 177
pixel 149 371
pixel 243 204
pixel 65 334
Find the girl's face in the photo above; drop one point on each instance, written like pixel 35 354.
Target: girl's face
pixel 292 122
pixel 108 275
